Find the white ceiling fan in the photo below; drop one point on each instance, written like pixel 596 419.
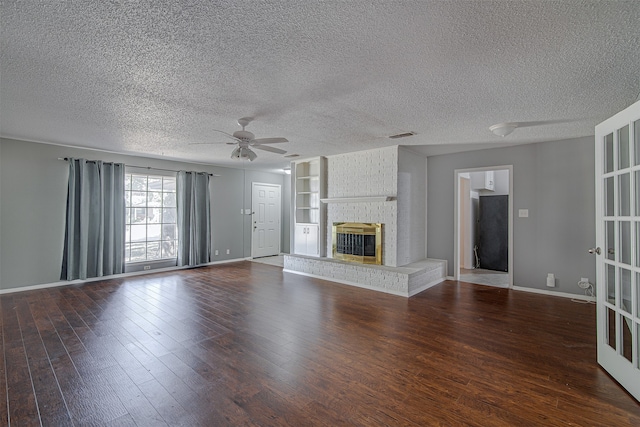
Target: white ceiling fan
pixel 245 139
pixel 504 129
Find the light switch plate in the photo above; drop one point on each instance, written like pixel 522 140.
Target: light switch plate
pixel 523 213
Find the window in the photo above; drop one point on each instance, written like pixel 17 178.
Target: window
pixel 151 231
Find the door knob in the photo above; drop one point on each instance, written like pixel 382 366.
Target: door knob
pixel 595 251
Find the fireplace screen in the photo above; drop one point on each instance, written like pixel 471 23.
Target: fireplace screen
pixel 357 242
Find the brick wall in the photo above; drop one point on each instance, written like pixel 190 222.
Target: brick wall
pixel 361 174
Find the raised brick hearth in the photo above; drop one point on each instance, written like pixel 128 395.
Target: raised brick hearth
pixel 406 281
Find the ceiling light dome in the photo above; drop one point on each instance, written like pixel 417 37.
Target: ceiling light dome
pixel 243 153
pixel 503 129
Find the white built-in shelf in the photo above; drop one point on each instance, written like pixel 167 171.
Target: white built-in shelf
pixel 365 199
pixel 308 185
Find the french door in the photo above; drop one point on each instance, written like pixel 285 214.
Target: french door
pixel 618 251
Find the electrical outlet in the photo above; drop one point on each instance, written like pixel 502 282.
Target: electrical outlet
pixel 216 252
pixel 147 267
pixel 228 251
pixel 551 280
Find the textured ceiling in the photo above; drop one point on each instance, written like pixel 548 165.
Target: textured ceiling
pixel 155 77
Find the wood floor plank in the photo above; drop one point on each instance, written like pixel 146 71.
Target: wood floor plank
pixel 22 405
pixel 246 344
pixel 45 383
pixel 138 407
pixel 166 405
pixel 4 413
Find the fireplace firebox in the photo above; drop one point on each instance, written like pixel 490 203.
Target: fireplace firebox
pixel 357 242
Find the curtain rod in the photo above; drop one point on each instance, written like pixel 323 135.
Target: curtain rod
pixel 140 167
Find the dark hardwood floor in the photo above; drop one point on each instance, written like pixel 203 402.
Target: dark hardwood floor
pixel 245 344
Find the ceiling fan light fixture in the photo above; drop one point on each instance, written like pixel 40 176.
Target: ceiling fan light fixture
pixel 503 129
pixel 243 153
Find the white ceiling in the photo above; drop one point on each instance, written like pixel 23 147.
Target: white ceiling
pixel 154 77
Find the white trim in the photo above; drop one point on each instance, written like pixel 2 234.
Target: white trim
pixel 426 210
pixel 119 153
pixel 113 276
pixel 553 293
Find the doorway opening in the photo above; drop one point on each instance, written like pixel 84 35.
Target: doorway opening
pixel 483 237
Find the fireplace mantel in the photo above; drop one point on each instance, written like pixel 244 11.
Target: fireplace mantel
pixel 363 199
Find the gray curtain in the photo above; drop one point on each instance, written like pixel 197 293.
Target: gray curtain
pixel 194 220
pixel 95 226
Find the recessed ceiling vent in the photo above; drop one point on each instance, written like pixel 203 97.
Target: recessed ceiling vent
pixel 292 155
pixel 402 135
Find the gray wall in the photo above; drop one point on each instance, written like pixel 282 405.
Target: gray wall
pixel 33 190
pixel 286 214
pixel 412 200
pixel 555 182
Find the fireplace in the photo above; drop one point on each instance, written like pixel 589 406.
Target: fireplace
pixel 357 242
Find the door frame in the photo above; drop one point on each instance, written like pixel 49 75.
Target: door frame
pixel 456 210
pixel 253 210
pixel 465 219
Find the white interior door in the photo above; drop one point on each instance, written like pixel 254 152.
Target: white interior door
pixel 618 246
pixel 266 209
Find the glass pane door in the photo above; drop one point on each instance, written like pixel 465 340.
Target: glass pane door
pixel 618 233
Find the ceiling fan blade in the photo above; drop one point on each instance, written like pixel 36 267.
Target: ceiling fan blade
pixel 268 140
pixel 271 149
pixel 210 143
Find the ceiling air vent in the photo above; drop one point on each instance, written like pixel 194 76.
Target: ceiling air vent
pixel 402 135
pixel 292 155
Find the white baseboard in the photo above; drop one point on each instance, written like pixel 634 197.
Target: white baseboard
pixel 43 286
pixel 555 294
pixel 345 282
pixel 541 291
pixel 113 276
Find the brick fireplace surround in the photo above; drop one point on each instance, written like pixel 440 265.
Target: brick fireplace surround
pixel 400 175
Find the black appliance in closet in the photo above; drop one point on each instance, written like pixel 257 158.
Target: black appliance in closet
pixel 493 232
